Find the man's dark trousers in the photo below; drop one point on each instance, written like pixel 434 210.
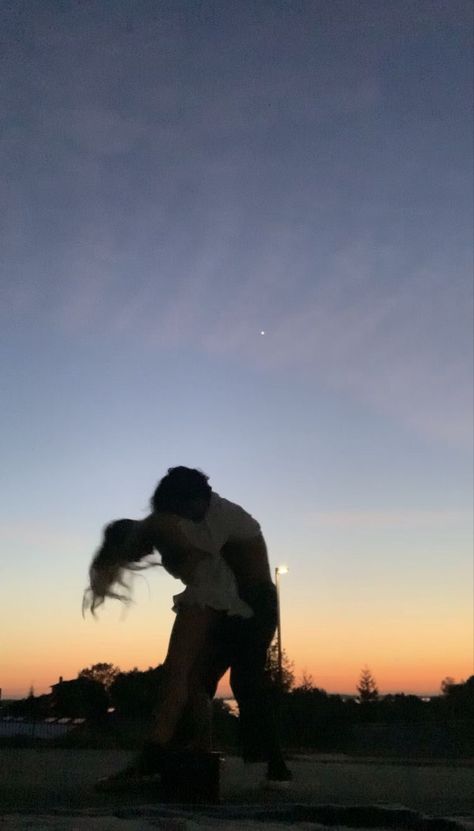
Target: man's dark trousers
pixel 241 645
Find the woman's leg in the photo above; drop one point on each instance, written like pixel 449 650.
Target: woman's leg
pixel 191 629
pixel 194 731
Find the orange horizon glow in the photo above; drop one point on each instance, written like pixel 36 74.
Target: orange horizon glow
pixel 410 644
pixel 399 659
pixel 408 678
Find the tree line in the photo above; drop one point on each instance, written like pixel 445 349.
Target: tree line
pixel 309 716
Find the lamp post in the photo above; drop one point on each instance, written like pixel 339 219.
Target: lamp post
pixel 279 570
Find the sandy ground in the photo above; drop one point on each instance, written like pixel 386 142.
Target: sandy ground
pixel 52 789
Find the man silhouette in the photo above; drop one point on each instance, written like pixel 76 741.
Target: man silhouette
pixel 211 523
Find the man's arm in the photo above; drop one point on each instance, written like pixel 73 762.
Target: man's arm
pixel 248 559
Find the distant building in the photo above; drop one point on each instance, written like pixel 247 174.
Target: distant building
pixel 79 698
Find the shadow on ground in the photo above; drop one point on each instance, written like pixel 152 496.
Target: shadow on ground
pixel 326 792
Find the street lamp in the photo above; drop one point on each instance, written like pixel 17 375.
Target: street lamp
pixel 279 570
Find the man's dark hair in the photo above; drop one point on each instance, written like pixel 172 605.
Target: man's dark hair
pixel 178 486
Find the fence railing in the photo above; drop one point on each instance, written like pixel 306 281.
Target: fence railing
pixel 48 728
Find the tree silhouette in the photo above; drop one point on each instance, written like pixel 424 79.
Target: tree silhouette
pixel 136 693
pixel 367 687
pixel 105 674
pixel 272 669
pixel 459 698
pixel 447 685
pixel 306 684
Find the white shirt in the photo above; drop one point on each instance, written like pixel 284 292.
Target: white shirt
pixel 213 583
pixel 224 522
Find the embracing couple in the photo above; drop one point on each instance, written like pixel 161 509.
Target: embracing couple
pixel 225 618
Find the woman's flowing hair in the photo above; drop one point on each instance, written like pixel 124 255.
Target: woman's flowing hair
pixel 109 569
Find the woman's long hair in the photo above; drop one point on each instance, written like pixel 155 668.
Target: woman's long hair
pixel 108 569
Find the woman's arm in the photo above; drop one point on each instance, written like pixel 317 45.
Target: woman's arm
pixel 179 556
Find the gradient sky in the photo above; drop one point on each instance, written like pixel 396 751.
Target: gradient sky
pixel 177 177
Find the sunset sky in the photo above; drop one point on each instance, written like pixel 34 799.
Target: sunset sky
pixel 176 179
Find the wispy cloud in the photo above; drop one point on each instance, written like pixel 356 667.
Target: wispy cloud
pixel 244 196
pixel 402 346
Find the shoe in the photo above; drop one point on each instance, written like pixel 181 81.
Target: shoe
pixel 145 769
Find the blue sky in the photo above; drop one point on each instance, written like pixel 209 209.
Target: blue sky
pixel 175 179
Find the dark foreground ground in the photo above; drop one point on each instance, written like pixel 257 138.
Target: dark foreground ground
pixel 52 789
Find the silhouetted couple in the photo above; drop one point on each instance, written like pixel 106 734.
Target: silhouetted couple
pixel 225 618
